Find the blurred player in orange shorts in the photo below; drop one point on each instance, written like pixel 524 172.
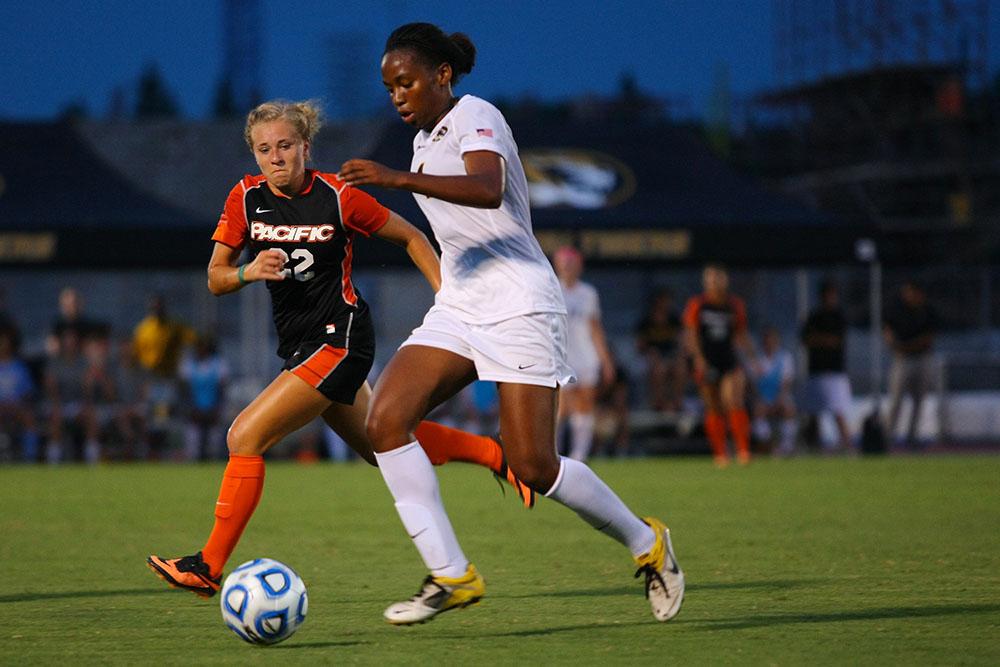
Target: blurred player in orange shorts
pixel 715 324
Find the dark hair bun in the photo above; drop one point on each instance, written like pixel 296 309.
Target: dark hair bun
pixel 434 47
pixel 465 52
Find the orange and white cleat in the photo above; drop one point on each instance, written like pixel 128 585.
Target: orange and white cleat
pixel 189 573
pixel 505 474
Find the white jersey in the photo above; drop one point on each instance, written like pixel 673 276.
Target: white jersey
pixel 582 307
pixel 492 267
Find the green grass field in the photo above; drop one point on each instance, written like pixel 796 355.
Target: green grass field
pixel 830 561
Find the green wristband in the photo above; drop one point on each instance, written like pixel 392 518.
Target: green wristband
pixel 239 275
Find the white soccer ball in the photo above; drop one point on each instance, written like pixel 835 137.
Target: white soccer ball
pixel 264 601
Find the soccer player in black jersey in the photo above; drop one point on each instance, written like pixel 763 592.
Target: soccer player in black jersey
pixel 716 325
pixel 299 226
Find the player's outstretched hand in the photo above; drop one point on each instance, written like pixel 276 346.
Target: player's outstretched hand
pixel 367 172
pixel 267 265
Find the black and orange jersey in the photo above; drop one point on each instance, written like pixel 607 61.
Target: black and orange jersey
pixel 315 229
pixel 716 324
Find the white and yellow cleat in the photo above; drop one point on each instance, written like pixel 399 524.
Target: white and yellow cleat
pixel 664 579
pixel 436 595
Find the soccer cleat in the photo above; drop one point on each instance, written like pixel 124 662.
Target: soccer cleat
pixel 664 579
pixel 436 595
pixel 505 474
pixel 190 573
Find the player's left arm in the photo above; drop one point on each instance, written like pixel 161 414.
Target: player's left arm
pixel 397 230
pixel 482 186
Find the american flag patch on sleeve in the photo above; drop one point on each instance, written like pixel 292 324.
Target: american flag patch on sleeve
pixel 485 133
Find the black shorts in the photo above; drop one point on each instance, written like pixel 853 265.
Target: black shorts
pixel 337 364
pixel 718 366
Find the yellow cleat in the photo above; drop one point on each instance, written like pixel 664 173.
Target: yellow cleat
pixel 436 595
pixel 664 579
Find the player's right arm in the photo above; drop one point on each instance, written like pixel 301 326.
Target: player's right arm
pixel 224 274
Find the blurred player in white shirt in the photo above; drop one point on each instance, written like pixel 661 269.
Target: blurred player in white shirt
pixel 499 316
pixel 586 352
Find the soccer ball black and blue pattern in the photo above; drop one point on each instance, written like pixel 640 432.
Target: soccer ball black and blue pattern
pixel 264 601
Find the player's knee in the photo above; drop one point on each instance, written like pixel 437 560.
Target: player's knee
pixel 385 429
pixel 243 441
pixel 538 472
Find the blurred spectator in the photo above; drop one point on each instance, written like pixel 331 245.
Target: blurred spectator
pixel 613 409
pixel 774 376
pixel 910 327
pixel 69 390
pixel 17 391
pixel 159 341
pixel 485 408
pixel 71 317
pixel 132 414
pixel 658 337
pixel 7 322
pixel 204 375
pixel 100 382
pixel 828 388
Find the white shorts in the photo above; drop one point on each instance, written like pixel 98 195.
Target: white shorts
pixel 829 391
pixel 527 349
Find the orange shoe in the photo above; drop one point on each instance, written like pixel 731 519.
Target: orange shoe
pixel 524 492
pixel 190 573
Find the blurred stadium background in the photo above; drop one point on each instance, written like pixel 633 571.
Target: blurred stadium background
pixel 881 131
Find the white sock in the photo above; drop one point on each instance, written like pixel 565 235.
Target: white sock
pixel 411 480
pixel 789 429
pixel 581 427
pixel 578 488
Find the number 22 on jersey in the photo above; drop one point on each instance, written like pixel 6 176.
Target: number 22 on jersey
pixel 300 270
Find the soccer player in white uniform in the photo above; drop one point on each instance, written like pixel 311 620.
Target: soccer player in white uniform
pixel 586 352
pixel 498 316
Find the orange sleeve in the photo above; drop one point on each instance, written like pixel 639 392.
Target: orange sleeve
pixel 740 312
pixel 362 212
pixel 232 227
pixel 691 311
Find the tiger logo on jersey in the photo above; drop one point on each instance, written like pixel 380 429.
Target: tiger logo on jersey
pixel 576 178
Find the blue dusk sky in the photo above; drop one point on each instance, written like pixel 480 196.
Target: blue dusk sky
pixel 56 53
